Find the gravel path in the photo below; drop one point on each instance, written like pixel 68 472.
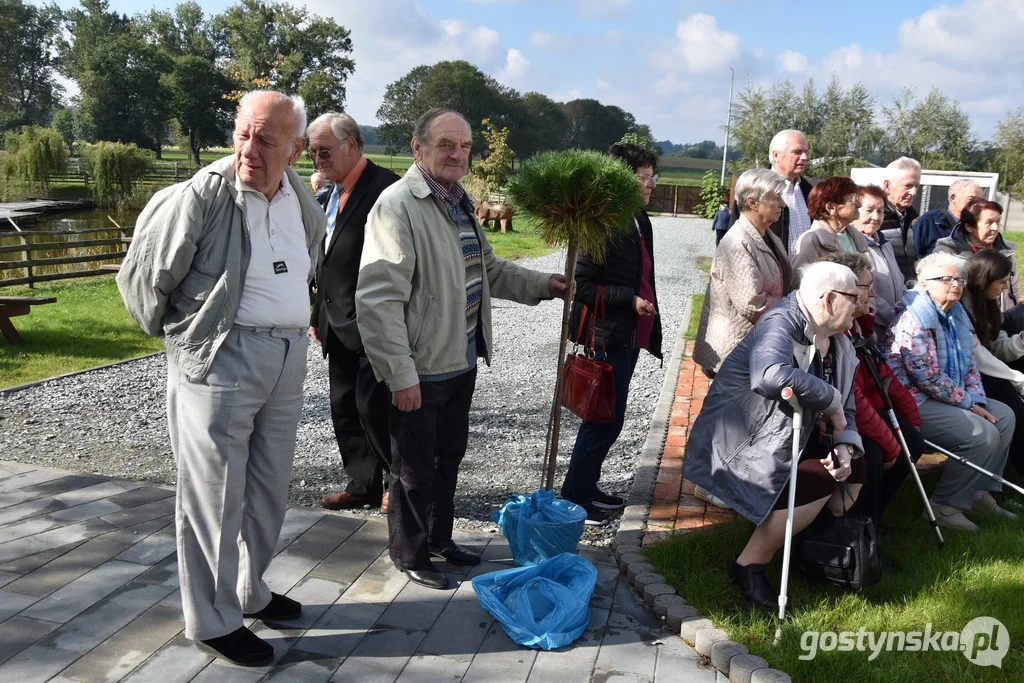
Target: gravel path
pixel 112 421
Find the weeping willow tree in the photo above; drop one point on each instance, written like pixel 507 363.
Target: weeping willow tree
pixel 582 199
pixel 116 168
pixel 34 155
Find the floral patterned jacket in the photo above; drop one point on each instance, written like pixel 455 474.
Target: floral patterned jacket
pixel 915 350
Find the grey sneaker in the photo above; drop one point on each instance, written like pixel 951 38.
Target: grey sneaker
pixel 950 517
pixel 988 505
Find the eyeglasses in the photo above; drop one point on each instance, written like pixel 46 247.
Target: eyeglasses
pixel 853 297
pixel 314 154
pixel 948 280
pixel 648 179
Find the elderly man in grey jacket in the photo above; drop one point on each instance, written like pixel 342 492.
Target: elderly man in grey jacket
pixel 739 448
pixel 423 306
pixel 220 268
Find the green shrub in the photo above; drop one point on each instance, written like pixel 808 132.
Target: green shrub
pixel 34 155
pixel 710 195
pixel 116 169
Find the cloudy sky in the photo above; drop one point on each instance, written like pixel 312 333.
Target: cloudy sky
pixel 668 61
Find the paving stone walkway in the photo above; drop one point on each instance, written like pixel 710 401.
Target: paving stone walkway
pixel 89 592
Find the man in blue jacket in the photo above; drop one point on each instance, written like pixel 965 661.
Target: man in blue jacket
pixel 938 223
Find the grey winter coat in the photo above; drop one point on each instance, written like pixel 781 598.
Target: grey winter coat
pixel 740 446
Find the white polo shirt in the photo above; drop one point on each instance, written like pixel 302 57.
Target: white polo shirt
pixel 799 221
pixel 276 291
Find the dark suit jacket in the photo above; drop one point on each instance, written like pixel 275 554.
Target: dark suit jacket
pixel 781 226
pixel 337 270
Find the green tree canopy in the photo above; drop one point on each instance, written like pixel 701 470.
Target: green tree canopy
pixel 1009 161
pixel 935 131
pixel 592 125
pixel 198 102
pixel 28 92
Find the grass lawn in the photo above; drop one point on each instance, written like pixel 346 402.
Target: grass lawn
pixel 87 327
pixel 698 304
pixel 974 575
pixel 1017 237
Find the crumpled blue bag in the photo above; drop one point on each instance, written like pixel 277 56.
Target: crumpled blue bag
pixel 545 606
pixel 538 526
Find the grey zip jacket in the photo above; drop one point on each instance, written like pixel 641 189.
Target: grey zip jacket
pixel 183 276
pixel 740 445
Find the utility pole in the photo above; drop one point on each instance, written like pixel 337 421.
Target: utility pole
pixel 728 123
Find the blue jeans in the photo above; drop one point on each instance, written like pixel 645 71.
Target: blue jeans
pixel 595 439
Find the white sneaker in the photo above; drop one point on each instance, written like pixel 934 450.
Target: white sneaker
pixel 702 493
pixel 951 517
pixel 988 505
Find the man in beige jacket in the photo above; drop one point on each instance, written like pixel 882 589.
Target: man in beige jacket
pixel 423 307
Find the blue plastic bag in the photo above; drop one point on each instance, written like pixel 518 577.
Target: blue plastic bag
pixel 538 526
pixel 545 606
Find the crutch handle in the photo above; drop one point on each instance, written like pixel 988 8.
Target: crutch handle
pixel 789 397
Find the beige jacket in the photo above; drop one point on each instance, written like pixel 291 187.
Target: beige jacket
pixel 411 293
pixel 748 275
pixel 820 240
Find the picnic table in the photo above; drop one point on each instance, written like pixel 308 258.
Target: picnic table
pixel 11 306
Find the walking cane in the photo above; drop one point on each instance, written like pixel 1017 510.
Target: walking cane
pixel 787 547
pixel 964 461
pixel 883 386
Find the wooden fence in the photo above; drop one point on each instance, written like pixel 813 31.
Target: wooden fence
pixel 676 199
pixel 47 255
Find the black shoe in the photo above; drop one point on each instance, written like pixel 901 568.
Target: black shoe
pixel 595 517
pixel 454 554
pixel 243 647
pixel 428 575
pixel 279 608
pixel 754 584
pixel 606 502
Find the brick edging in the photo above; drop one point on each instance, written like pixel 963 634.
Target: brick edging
pixel 728 657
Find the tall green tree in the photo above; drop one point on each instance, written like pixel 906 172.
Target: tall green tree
pixel 295 50
pixel 935 131
pixel 198 102
pixel 592 125
pixel 457 85
pixel 1009 157
pixel 28 36
pixel 538 125
pixel 118 73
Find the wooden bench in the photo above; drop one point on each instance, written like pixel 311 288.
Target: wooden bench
pixel 11 306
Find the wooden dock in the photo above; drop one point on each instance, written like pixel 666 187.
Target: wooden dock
pixel 36 208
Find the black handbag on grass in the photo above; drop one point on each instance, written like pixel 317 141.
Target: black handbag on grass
pixel 840 550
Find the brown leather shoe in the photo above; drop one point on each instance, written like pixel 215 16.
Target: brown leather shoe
pixel 344 500
pixel 384 501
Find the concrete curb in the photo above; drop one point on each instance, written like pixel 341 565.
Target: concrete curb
pixel 729 658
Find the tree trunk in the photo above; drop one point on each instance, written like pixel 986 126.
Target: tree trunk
pixel 555 419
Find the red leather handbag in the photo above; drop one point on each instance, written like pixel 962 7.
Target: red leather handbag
pixel 588 385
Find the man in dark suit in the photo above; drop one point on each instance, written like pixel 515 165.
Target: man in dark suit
pixel 359 403
pixel 788 153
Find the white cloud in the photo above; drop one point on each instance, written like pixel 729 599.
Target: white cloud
pixel 976 30
pixel 543 39
pixel 516 69
pixel 703 47
pixel 603 84
pixel 792 62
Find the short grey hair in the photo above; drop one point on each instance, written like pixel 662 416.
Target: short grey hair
pixel 961 184
pixel 778 143
pixel 421 129
pixel 937 260
pixel 317 177
pixel 342 127
pixel 298 106
pixel 900 166
pixel 756 183
pixel 824 276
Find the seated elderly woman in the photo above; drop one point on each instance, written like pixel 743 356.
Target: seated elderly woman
pixel 929 349
pixel 978 229
pixel 740 445
pixel 886 274
pixel 749 273
pixel 1000 357
pixel 833 204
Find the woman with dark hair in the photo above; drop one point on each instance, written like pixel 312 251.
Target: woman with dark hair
pixel 888 283
pixel 630 322
pixel 979 229
pixel 998 355
pixel 833 205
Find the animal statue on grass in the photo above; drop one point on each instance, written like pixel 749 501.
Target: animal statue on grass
pixel 501 214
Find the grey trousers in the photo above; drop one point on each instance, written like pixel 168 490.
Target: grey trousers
pixel 983 443
pixel 233 437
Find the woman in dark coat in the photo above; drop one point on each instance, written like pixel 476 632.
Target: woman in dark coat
pixel 630 322
pixel 740 446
